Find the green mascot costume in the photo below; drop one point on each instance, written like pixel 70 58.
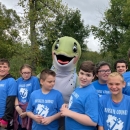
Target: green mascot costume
pixel 66 52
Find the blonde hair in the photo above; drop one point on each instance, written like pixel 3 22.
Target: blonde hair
pixel 115 74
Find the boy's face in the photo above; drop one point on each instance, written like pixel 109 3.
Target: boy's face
pixel 4 69
pixel 115 85
pixel 103 73
pixel 85 78
pixel 121 68
pixel 48 83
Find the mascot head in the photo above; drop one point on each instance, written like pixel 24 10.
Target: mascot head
pixel 66 52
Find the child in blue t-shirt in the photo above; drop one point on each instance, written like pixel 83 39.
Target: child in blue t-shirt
pixel 82 111
pixel 26 84
pixel 114 108
pixel 7 95
pixel 44 104
pixel 126 89
pixel 102 71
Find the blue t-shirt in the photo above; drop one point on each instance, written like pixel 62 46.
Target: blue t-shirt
pixel 114 116
pixel 84 101
pixel 102 89
pixel 126 76
pixel 26 87
pixel 7 88
pixel 45 105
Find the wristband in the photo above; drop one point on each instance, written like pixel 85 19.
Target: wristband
pixel 3 122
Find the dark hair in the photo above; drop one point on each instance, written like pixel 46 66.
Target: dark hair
pixel 47 72
pixel 87 66
pixel 100 64
pixel 120 61
pixel 2 61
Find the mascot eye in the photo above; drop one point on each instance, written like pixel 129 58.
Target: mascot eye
pixel 56 46
pixel 75 49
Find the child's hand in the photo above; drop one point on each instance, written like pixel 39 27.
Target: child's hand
pixel 65 105
pixel 46 120
pixel 64 110
pixel 23 114
pixel 38 118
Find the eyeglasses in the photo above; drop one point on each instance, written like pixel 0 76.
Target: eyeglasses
pixel 26 73
pixel 105 71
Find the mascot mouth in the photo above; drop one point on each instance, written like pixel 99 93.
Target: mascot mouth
pixel 63 60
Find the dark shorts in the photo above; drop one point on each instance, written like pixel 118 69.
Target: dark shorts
pixel 62 123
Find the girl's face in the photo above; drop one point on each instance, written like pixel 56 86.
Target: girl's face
pixel 26 73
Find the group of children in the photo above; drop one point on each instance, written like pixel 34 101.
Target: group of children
pixel 93 105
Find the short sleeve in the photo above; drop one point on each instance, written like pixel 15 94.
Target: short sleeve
pixel 36 83
pixel 12 87
pixel 126 90
pixel 30 104
pixel 101 114
pixel 91 107
pixel 59 101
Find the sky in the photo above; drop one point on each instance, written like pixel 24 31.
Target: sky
pixel 92 12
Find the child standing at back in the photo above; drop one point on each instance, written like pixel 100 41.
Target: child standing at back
pixel 26 84
pixel 45 103
pixel 82 111
pixel 114 109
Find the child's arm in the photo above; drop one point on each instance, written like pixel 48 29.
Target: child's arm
pixel 36 118
pixel 81 118
pixel 100 128
pixel 48 120
pixel 17 107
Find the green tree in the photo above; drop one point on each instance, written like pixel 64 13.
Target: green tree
pixel 24 55
pixel 9 30
pixel 39 14
pixel 67 23
pixel 113 30
pixel 48 20
pixel 71 24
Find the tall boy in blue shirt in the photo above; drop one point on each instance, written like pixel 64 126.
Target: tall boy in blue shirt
pixel 82 111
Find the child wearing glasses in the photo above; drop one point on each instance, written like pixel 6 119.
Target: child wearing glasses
pixel 114 109
pixel 26 84
pixel 102 72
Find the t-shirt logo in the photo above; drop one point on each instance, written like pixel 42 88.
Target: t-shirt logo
pixel 128 84
pixel 42 110
pixel 23 92
pixel 70 102
pixel 114 123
